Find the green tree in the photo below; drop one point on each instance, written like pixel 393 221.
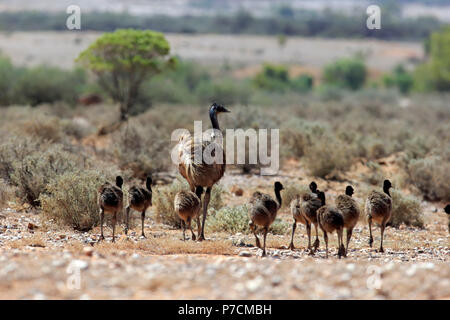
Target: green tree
pixel 346 73
pixel 123 60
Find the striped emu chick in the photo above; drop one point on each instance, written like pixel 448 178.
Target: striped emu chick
pixel 378 209
pixel 139 199
pixel 110 201
pixel 304 210
pixel 330 219
pixel 187 205
pixel 263 211
pixel 447 211
pixel 350 211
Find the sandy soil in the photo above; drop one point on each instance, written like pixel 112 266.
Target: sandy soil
pixel 41 261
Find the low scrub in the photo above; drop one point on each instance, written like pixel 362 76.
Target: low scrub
pixel 431 176
pixel 32 174
pixel 407 210
pixel 163 198
pixel 235 219
pixel 143 150
pixel 71 199
pixel 327 157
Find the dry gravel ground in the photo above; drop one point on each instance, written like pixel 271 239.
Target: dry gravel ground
pixel 41 261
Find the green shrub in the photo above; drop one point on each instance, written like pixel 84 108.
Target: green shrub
pixel 229 219
pixel 407 210
pixel 346 73
pixel 164 196
pixel 48 85
pixel 302 83
pixel 9 76
pixel 400 79
pixel 272 78
pixel 236 219
pixel 71 199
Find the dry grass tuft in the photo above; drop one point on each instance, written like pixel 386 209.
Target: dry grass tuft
pixel 166 246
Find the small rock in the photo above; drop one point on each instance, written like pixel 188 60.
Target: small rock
pixel 32 226
pixel 237 191
pixel 245 254
pixel 79 264
pixel 88 251
pixel 255 284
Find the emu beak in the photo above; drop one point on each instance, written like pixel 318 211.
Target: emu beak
pixel 226 110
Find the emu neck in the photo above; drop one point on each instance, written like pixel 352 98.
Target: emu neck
pixel 386 190
pixel 278 196
pixel 148 185
pixel 213 117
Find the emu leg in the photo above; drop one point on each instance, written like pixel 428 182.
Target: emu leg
pixel 253 228
pixel 349 236
pixel 308 231
pixel 127 220
pixel 383 225
pixel 184 229
pixel 265 235
pixel 142 222
pixel 190 228
pixel 205 212
pixel 316 242
pixel 114 220
pixel 199 227
pixel 294 225
pixel 102 215
pixel 369 220
pixel 325 237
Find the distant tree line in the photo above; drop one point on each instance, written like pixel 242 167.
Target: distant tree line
pixel 284 21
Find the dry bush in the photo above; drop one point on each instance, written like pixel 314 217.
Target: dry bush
pixel 45 127
pixel 327 157
pixel 71 199
pixel 143 150
pixel 290 192
pixel 35 171
pixel 163 198
pixel 297 135
pixel 15 149
pixel 77 128
pixel 405 209
pixel 7 193
pixel 431 176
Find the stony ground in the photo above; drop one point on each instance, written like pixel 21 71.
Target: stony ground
pixel 41 261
